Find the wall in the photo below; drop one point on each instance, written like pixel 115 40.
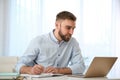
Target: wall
pixel 1 26
pixel 4 22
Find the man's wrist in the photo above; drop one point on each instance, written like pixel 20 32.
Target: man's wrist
pixel 64 70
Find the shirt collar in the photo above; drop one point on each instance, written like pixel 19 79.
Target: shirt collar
pixel 54 38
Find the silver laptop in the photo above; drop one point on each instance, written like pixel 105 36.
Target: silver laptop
pixel 99 67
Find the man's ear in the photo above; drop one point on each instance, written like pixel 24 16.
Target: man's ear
pixel 57 24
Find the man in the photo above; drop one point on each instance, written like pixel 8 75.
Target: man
pixel 55 52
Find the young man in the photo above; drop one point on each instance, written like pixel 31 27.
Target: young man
pixel 55 52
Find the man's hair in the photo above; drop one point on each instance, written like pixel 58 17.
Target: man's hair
pixel 65 15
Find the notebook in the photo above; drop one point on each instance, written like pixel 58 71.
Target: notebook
pixel 41 75
pixel 99 67
pixel 8 75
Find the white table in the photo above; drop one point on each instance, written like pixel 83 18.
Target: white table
pixel 114 74
pixel 69 78
pixel 111 76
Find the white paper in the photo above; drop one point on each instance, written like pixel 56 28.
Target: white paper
pixel 41 75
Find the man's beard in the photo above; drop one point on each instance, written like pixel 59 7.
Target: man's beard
pixel 66 38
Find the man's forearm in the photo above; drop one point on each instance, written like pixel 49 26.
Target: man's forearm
pixel 65 70
pixel 25 70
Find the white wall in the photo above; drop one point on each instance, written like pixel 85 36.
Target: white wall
pixel 1 26
pixel 4 22
pixel 116 19
pixel 4 29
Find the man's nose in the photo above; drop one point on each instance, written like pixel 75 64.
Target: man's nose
pixel 71 31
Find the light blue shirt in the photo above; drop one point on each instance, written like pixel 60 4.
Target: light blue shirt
pixel 47 51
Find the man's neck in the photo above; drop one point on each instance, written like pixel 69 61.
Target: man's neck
pixel 55 32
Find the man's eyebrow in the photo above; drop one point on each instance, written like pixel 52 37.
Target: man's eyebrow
pixel 71 26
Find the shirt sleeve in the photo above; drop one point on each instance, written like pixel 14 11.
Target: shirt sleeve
pixel 29 56
pixel 77 62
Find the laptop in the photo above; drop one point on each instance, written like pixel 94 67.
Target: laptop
pixel 99 67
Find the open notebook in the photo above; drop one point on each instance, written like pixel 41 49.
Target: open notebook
pixel 41 75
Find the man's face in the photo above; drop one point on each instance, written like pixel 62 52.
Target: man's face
pixel 66 29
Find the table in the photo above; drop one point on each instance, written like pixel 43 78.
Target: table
pixel 114 74
pixel 111 76
pixel 69 78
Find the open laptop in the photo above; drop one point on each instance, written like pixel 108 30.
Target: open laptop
pixel 99 67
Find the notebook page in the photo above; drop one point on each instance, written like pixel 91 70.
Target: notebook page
pixel 41 75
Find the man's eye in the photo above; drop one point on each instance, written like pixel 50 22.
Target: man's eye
pixel 68 27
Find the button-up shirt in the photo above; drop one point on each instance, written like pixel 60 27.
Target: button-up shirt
pixel 46 50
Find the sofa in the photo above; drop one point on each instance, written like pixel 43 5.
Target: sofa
pixel 7 63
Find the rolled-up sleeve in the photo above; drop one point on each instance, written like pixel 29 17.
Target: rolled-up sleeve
pixel 77 64
pixel 77 67
pixel 18 66
pixel 25 60
pixel 28 57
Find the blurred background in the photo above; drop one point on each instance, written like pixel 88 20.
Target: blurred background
pixel 97 27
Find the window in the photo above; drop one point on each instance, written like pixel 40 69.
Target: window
pixel 30 18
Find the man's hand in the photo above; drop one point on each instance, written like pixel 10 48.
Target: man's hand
pixel 64 70
pixel 51 69
pixel 37 69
